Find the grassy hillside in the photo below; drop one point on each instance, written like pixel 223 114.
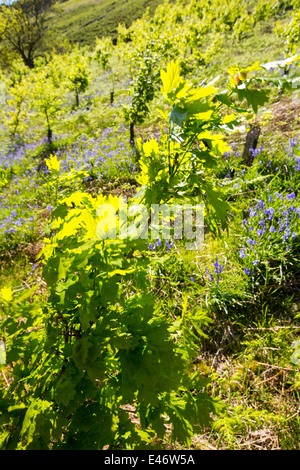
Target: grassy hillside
pixel 83 20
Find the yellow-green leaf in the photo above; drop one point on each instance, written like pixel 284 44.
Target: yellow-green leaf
pixel 6 293
pixel 53 163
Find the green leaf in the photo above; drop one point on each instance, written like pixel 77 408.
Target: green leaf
pixel 182 429
pixel 174 85
pixel 178 115
pixel 224 98
pixel 87 355
pixel 65 388
pixel 197 110
pixel 217 208
pixel 254 98
pixel 205 157
pixel 171 78
pixel 37 423
pixel 92 426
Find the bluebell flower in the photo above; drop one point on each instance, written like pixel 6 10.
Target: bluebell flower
pixel 291 196
pixel 262 223
pixel 169 245
pixel 270 211
pixel 252 213
pixel 218 267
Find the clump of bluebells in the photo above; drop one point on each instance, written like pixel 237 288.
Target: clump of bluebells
pixel 285 165
pixel 160 245
pixel 214 276
pixel 24 189
pixel 18 218
pixel 105 156
pixel 19 203
pixel 12 222
pixel 271 234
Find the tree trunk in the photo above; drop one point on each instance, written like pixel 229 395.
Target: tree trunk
pixel 132 134
pixel 49 136
pixel 251 143
pixel 28 61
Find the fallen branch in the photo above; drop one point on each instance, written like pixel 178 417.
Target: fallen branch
pixel 289 369
pixel 274 328
pixel 270 378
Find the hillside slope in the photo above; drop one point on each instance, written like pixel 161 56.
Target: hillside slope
pixel 83 20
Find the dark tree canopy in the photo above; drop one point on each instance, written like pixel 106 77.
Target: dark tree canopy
pixel 24 27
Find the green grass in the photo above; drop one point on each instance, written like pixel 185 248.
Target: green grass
pixel 82 21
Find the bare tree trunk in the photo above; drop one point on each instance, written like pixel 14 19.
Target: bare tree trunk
pixel 28 60
pixel 49 130
pixel 132 134
pixel 49 136
pixel 251 143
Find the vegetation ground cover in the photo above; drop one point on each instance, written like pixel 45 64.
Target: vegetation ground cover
pixel 89 327
pixel 98 19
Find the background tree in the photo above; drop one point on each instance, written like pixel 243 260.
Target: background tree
pixel 24 28
pixel 142 90
pixel 77 72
